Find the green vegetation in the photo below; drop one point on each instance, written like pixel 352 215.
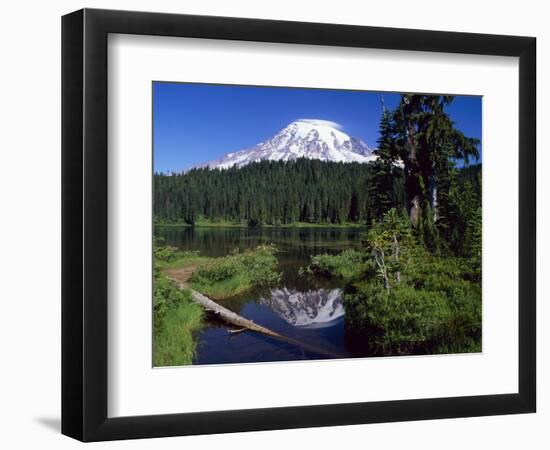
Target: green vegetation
pixel 421 288
pixel 166 256
pixel 386 188
pixel 275 193
pixel 234 274
pixel 342 225
pixel 414 287
pixel 203 223
pixel 176 317
pixel 404 300
pixel 346 265
pixel 176 320
pixel 440 199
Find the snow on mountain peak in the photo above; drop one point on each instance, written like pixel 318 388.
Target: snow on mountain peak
pixel 304 138
pixel 319 123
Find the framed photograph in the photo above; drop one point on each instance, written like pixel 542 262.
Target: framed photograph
pixel 273 224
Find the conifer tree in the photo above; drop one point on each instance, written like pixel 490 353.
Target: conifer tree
pixel 429 144
pixel 384 169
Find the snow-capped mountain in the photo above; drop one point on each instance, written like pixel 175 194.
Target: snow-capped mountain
pixel 313 309
pixel 303 138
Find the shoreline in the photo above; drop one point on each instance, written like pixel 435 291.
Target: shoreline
pixel 298 225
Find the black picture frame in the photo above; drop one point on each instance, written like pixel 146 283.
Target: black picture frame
pixel 84 224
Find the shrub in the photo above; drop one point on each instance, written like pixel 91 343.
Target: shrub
pixel 401 299
pixel 403 322
pixel 434 309
pixel 348 265
pixel 167 256
pixel 236 273
pixel 260 265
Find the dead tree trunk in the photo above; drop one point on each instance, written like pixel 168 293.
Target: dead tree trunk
pixel 232 318
pixel 379 258
pixel 229 316
pixel 412 174
pixel 433 195
pixel 396 255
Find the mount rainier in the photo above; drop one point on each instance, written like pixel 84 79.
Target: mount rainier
pixel 303 138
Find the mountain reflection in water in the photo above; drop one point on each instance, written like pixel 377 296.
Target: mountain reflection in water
pixel 313 308
pixel 301 308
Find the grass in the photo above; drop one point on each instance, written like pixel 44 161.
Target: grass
pixel 177 319
pixel 347 265
pixel 185 259
pixel 170 257
pixel 224 289
pixel 224 277
pixel 237 273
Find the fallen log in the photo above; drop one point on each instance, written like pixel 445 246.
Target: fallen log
pixel 229 316
pixel 232 318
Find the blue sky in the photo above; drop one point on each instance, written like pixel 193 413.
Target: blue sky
pixel 194 123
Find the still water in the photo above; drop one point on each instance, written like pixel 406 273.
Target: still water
pixel 307 310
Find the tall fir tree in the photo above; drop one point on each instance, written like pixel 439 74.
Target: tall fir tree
pixel 384 167
pixel 429 144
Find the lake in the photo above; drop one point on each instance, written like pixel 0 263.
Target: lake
pixel 304 309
